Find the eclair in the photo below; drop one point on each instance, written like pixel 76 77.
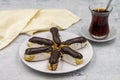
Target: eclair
pixel 71 56
pixel 76 43
pixel 56 36
pixel 54 60
pixel 36 54
pixel 38 41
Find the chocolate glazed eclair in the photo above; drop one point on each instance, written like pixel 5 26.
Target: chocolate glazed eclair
pixel 76 43
pixel 75 40
pixel 37 41
pixel 56 36
pixel 54 60
pixel 36 54
pixel 71 56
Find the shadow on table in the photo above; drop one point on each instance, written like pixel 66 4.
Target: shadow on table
pixel 101 44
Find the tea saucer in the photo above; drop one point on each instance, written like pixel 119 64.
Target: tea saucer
pixel 112 35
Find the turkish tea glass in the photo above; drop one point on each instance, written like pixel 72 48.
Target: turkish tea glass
pixel 99 27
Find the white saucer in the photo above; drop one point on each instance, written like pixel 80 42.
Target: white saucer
pixel 112 35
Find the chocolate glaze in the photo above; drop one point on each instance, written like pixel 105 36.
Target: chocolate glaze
pixel 40 40
pixel 31 51
pixel 54 58
pixel 55 35
pixel 71 52
pixel 75 40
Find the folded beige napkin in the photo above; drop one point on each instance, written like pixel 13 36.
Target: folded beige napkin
pixel 14 22
pixel 47 18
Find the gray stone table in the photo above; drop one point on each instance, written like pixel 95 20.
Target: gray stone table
pixel 105 64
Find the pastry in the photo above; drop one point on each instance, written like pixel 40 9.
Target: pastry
pixel 76 43
pixel 38 41
pixel 56 36
pixel 54 60
pixel 71 56
pixel 36 54
pixel 42 49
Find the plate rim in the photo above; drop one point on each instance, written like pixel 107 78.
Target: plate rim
pixel 52 72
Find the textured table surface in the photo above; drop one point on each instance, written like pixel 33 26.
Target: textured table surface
pixel 105 64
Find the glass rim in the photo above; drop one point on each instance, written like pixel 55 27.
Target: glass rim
pixel 109 9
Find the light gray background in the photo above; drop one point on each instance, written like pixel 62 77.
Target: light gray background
pixel 105 64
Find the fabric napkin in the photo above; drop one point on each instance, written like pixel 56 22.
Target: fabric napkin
pixel 30 21
pixel 12 22
pixel 47 18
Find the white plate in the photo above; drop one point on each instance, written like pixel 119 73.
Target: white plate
pixel 112 35
pixel 87 53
